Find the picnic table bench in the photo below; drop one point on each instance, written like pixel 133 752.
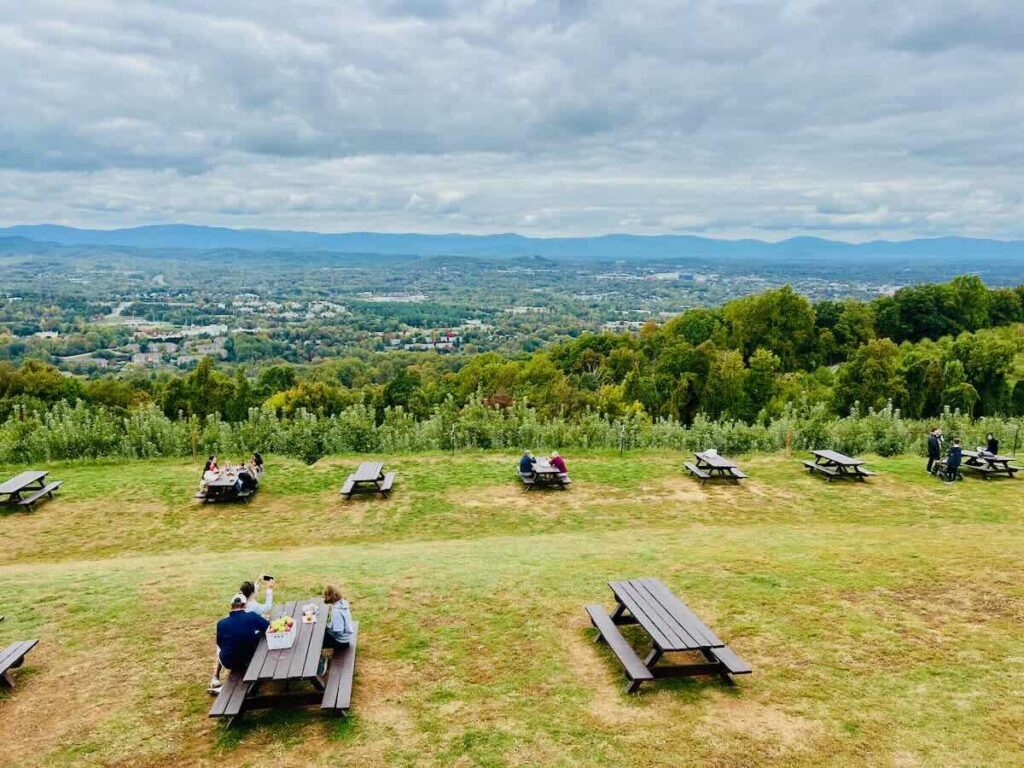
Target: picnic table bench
pixel 545 475
pixel 832 464
pixel 33 483
pixel 12 657
pixel 672 627
pixel 293 671
pixel 370 477
pixel 988 464
pixel 710 466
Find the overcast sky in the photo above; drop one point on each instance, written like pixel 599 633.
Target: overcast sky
pixel 851 119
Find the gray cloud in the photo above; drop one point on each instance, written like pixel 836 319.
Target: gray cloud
pixel 724 117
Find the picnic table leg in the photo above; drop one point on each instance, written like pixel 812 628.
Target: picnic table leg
pixel 722 673
pixel 620 609
pixel 6 681
pixel 653 657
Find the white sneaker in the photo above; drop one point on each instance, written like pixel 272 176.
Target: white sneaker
pixel 215 686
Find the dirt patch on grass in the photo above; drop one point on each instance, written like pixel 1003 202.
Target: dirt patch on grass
pixel 752 720
pixel 550 502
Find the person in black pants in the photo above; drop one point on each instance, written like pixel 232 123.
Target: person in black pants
pixel 953 461
pixel 992 444
pixel 934 447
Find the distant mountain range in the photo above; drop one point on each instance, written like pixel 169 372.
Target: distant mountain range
pixel 604 248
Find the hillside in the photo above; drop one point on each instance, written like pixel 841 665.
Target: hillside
pixel 882 620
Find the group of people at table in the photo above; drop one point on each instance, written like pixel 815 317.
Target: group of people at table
pixel 528 462
pixel 246 475
pixel 949 470
pixel 239 633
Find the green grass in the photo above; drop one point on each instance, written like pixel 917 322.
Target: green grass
pixel 883 620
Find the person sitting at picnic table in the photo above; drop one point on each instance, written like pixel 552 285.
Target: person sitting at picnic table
pixel 558 463
pixel 953 461
pixel 257 462
pixel 339 630
pixel 339 616
pixel 246 480
pixel 238 636
pixel 210 473
pixel 991 444
pixel 526 463
pixel 252 595
pixel 934 447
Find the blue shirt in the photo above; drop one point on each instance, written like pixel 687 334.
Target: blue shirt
pixel 526 465
pixel 238 634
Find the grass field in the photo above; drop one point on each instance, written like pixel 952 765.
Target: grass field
pixel 883 621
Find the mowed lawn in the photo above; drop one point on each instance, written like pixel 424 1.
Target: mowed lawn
pixel 884 621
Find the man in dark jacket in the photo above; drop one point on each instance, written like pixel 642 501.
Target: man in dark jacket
pixel 526 463
pixel 238 635
pixel 934 447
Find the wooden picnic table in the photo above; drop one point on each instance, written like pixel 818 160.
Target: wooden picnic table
pixel 369 477
pixel 833 464
pixel 32 482
pixel 672 628
pixel 292 672
pixel 546 474
pixel 224 488
pixel 709 466
pixel 988 464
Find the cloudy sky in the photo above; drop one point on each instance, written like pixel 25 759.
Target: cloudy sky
pixel 852 119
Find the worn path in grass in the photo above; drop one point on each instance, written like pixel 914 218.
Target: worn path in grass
pixel 883 620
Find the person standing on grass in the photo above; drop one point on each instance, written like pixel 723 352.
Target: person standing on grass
pixel 992 444
pixel 238 636
pixel 934 447
pixel 953 461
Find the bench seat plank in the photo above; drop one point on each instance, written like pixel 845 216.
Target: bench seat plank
pixel 728 658
pixel 693 469
pixel 340 675
pixel 46 490
pixel 636 671
pixel 12 656
pixel 231 697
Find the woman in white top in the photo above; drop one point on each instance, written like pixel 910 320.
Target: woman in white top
pixel 252 600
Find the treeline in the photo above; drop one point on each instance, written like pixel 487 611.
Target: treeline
pixel 926 349
pixel 88 432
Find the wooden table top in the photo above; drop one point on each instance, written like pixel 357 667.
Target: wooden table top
pixel 838 458
pixel 670 623
pixel 299 662
pixel 368 472
pixel 544 467
pixel 716 461
pixel 992 458
pixel 18 482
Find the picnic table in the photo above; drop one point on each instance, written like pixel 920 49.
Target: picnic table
pixel 33 483
pixel 225 488
pixel 369 478
pixel 672 628
pixel 988 464
pixel 709 466
pixel 545 475
pixel 292 672
pixel 832 464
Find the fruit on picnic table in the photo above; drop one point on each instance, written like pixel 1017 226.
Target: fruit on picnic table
pixel 283 624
